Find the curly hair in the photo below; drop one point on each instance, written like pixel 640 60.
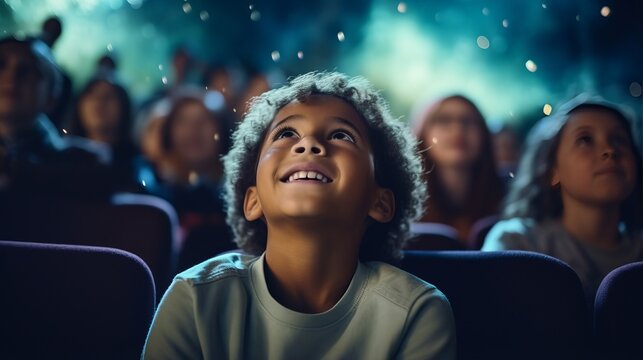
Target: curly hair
pixel 532 196
pixel 397 165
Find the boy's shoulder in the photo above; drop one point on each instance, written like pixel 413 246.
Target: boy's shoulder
pixel 220 267
pixel 397 285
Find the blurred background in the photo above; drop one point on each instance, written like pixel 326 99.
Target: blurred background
pixel 515 59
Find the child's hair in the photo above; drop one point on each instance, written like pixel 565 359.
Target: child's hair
pixel 532 196
pixel 397 165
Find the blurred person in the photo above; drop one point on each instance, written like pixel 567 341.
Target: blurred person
pixel 102 113
pixel 577 195
pixel 52 29
pixel 194 135
pixel 506 148
pixel 37 161
pixel 460 170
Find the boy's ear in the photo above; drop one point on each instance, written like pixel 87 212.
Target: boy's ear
pixel 251 205
pixel 383 207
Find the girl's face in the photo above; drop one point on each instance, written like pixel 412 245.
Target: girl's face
pixel 454 135
pixel 100 109
pixel 151 138
pixel 594 161
pixel 195 135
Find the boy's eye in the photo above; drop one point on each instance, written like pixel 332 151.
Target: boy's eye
pixel 285 133
pixel 342 135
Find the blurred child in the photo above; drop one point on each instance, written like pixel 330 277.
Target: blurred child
pixel 321 186
pixel 459 163
pixel 577 193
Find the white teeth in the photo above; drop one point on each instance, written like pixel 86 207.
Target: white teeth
pixel 308 175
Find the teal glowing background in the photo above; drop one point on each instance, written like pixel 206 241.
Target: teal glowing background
pixel 511 57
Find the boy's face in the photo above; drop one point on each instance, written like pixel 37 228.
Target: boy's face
pixel 24 90
pixel 316 163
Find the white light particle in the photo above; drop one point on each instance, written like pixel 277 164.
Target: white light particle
pixel 110 47
pixel 204 15
pixel 251 7
pixel 485 11
pixel 300 54
pixel 577 17
pixel 401 7
pixel 164 80
pixel 193 178
pixel 160 67
pixel 505 23
pixel 65 131
pixel 635 89
pixel 482 42
pixel 547 109
pixel 275 56
pixel 187 8
pixel 255 16
pixel 605 11
pixel 143 183
pixel 544 6
pixel 511 175
pixel 434 140
pixel 531 66
pixel 216 137
pixel 340 36
pixel 234 110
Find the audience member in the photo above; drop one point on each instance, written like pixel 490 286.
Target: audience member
pixel 102 113
pixel 459 164
pixel 577 193
pixel 194 135
pixel 38 162
pixel 51 31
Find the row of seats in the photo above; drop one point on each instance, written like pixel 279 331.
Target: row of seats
pixel 63 301
pixel 437 236
pixel 144 225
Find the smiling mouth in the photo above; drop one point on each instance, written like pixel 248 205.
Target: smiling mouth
pixel 307 176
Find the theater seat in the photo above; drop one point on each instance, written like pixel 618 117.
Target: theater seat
pixel 509 305
pixel 618 313
pixel 479 231
pixel 73 302
pixel 141 224
pixel 433 236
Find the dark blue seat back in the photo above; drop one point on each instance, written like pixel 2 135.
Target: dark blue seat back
pixel 618 313
pixel 509 305
pixel 73 302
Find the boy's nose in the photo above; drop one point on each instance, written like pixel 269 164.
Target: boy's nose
pixel 309 144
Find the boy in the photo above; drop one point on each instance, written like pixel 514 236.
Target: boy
pixel 321 183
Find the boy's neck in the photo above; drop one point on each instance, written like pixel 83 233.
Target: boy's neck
pixel 593 225
pixel 309 270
